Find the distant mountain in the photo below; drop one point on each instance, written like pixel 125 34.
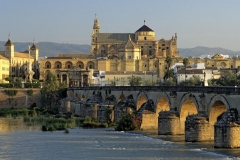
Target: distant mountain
pixel 198 51
pixel 51 49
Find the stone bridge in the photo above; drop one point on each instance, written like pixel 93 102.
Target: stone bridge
pixel 172 104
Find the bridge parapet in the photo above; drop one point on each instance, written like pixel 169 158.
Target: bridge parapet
pixel 201 89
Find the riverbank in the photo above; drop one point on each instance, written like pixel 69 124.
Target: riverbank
pixel 180 140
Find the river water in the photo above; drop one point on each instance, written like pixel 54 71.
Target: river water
pixel 20 142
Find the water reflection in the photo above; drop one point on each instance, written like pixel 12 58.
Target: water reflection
pixel 15 124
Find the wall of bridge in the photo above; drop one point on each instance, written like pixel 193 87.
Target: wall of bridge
pixel 185 101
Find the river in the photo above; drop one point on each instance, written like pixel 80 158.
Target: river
pixel 21 142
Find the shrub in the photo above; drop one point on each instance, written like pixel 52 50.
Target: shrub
pixel 128 122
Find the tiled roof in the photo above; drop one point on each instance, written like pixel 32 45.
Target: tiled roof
pixel 129 45
pixel 22 55
pixel 144 28
pixel 9 43
pixel 59 58
pixel 114 37
pixel 192 71
pixel 82 56
pixel 2 57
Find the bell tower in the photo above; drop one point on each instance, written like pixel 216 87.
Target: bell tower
pixel 96 29
pixel 9 49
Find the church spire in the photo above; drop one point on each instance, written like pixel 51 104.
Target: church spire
pixel 96 24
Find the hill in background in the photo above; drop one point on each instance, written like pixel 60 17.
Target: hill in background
pixel 51 49
pixel 198 51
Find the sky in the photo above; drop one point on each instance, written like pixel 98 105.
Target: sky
pixel 209 23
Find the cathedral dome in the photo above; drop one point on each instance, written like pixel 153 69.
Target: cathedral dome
pixel 144 28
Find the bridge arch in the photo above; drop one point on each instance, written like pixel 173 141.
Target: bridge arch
pixel 162 102
pixel 187 106
pixel 216 107
pixel 142 97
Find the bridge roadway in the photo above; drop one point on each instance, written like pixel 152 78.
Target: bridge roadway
pixel 171 104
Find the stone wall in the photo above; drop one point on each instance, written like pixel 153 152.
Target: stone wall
pixel 197 128
pixel 21 99
pixel 168 123
pixel 149 121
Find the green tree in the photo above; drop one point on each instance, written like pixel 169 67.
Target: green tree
pixel 168 60
pixel 128 122
pixel 18 82
pixel 52 91
pixel 185 63
pixel 193 81
pixel 227 79
pixel 135 81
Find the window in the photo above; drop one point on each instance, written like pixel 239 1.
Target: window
pixel 150 52
pixel 150 46
pixel 163 44
pixel 145 65
pixel 80 66
pixel 90 66
pixel 145 38
pixel 141 46
pixel 58 66
pixel 48 66
pixel 159 47
pixel 68 66
pixel 167 47
pixel 129 57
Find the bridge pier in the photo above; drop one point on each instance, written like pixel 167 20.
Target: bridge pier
pixel 197 128
pixel 168 123
pixel 227 130
pixel 149 121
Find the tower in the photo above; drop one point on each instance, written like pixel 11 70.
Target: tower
pixel 9 49
pixel 9 53
pixel 34 52
pixel 29 72
pixel 96 29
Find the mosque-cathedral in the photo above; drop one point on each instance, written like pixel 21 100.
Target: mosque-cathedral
pixel 118 55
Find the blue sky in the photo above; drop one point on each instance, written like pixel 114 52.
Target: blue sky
pixel 210 23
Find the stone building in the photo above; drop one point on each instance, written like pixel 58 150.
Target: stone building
pixel 120 55
pixel 4 69
pixel 21 64
pixel 124 55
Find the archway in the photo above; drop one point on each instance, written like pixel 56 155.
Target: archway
pixel 58 65
pixel 91 65
pixel 80 64
pixel 162 105
pixel 68 65
pixel 142 99
pixel 217 109
pixel 48 65
pixel 188 107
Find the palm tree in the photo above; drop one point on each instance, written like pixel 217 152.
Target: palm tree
pixel 185 62
pixel 168 60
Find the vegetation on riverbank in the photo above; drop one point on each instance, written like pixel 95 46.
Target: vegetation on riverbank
pixel 129 122
pixel 52 121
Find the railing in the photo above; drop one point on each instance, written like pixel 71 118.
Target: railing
pixel 201 89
